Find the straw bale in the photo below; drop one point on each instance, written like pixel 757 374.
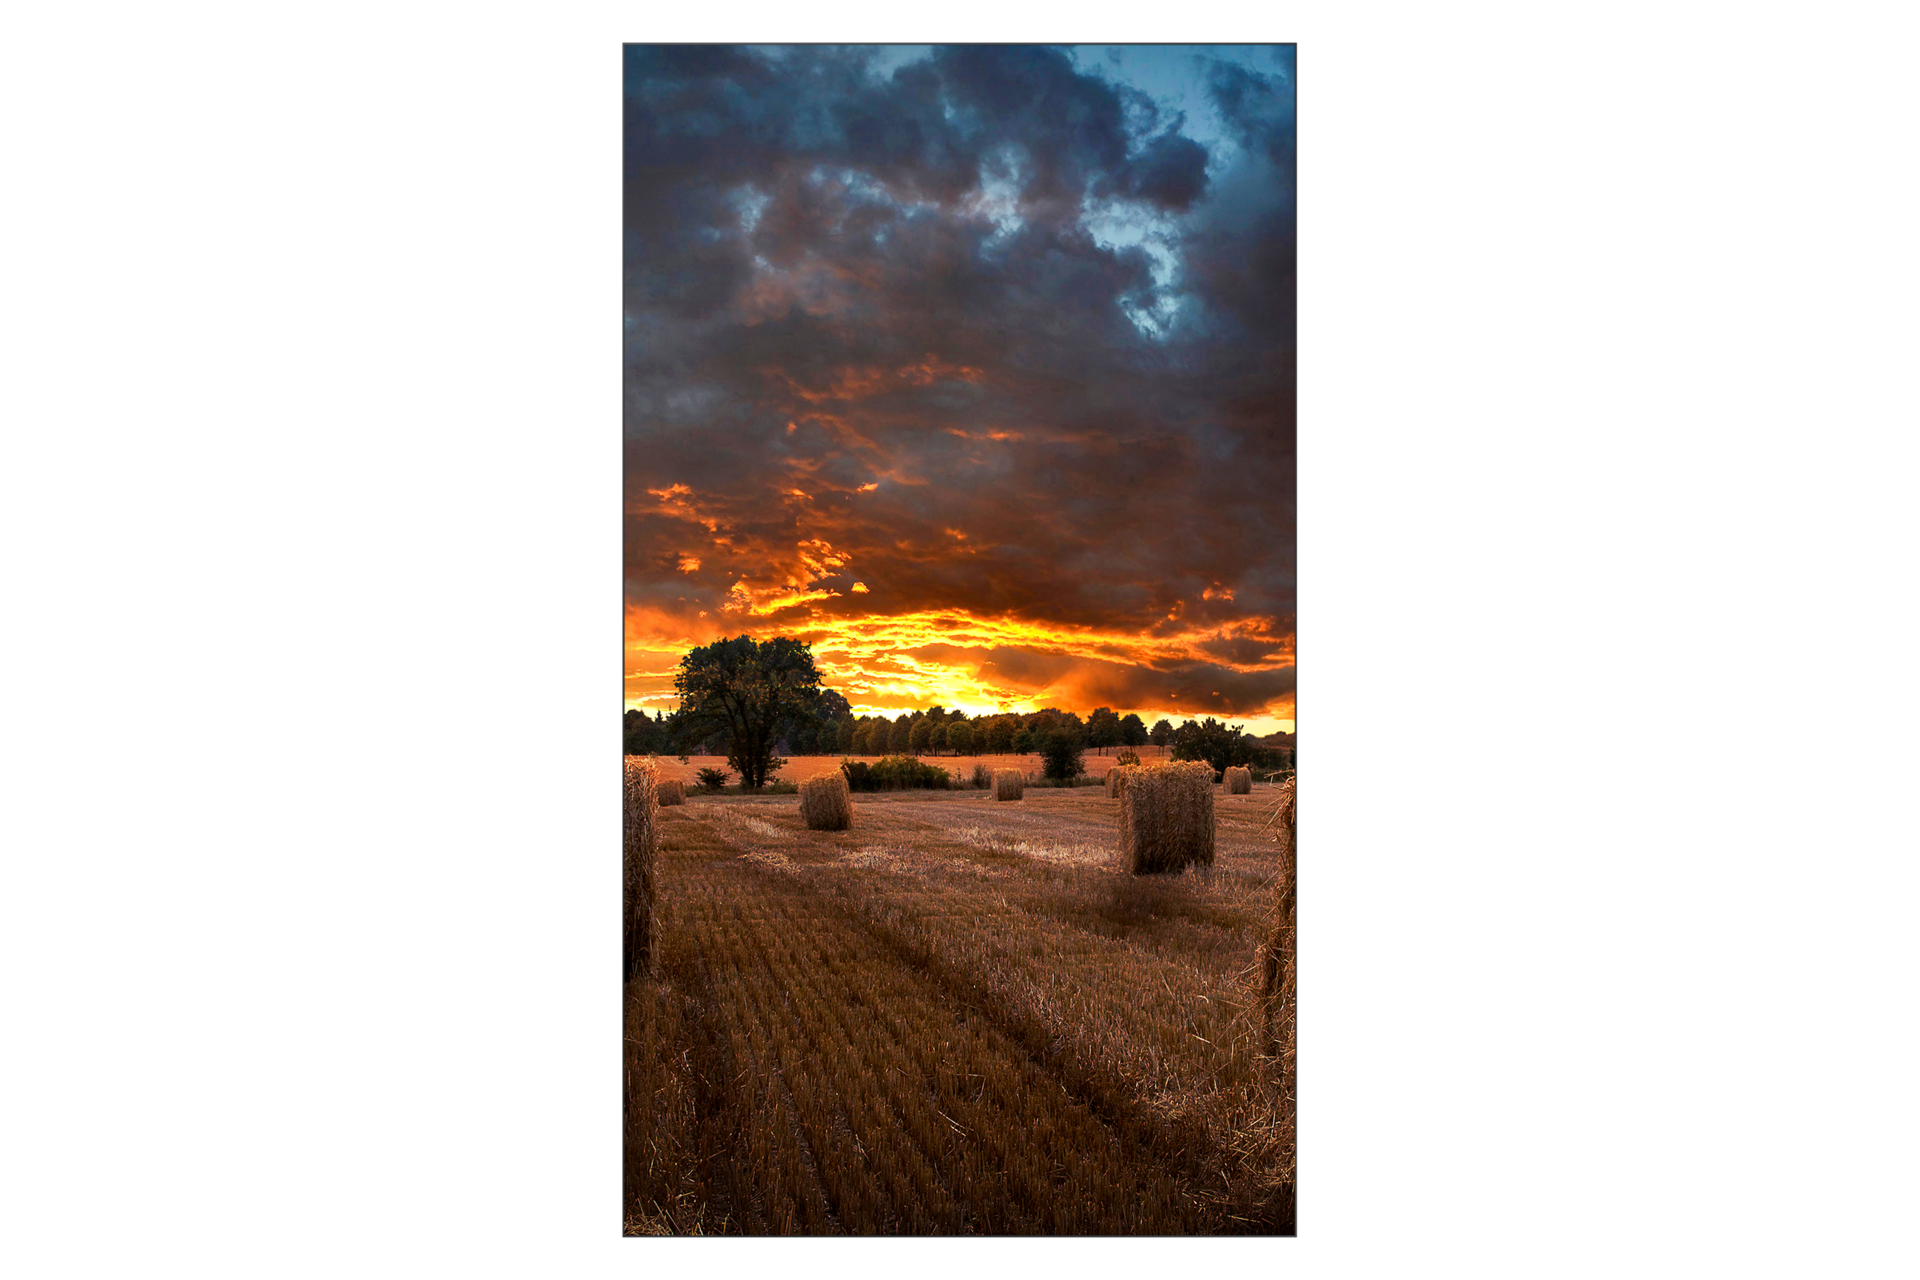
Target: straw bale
pixel 1117 778
pixel 1239 781
pixel 1008 784
pixel 642 839
pixel 669 791
pixel 1166 817
pixel 825 802
pixel 1277 992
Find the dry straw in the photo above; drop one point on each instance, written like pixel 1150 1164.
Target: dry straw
pixel 1166 817
pixel 825 802
pixel 643 837
pixel 1277 965
pixel 670 791
pixel 1008 784
pixel 1239 781
pixel 1117 778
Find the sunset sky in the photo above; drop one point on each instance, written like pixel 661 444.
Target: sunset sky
pixel 974 367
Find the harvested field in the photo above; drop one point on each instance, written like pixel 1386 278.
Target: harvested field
pixel 800 768
pixel 959 1017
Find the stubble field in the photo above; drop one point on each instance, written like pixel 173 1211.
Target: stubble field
pixel 959 1016
pixel 800 768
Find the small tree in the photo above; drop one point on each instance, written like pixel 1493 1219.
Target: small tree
pixel 938 739
pixel 898 737
pixel 1133 731
pixel 1162 733
pixel 920 734
pixel 1061 755
pixel 1023 741
pixel 960 738
pixel 1103 729
pixel 712 779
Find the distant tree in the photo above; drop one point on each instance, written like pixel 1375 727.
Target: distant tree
pixel 960 738
pixel 1103 729
pixel 1133 731
pixel 937 740
pixel 1000 735
pixel 1162 733
pixel 1218 745
pixel 829 740
pixel 1060 755
pixel 1023 741
pixel 898 737
pixel 920 735
pixel 747 688
pixel 636 731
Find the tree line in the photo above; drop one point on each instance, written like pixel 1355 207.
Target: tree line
pixel 756 701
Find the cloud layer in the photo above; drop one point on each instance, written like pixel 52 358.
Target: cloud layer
pixel 974 368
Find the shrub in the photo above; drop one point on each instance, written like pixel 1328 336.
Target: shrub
pixel 1239 781
pixel 1127 756
pixel 670 791
pixel 893 773
pixel 783 787
pixel 1008 784
pixel 642 838
pixel 825 804
pixel 982 777
pixel 712 779
pixel 902 773
pixel 1166 817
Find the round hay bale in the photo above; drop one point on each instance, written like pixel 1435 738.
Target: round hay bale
pixel 1117 778
pixel 1239 781
pixel 642 840
pixel 825 802
pixel 1277 966
pixel 670 791
pixel 1166 817
pixel 1008 784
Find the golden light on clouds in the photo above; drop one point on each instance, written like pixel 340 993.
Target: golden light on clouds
pixel 957 659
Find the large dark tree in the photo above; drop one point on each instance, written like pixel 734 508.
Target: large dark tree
pixel 1133 731
pixel 1162 733
pixel 747 689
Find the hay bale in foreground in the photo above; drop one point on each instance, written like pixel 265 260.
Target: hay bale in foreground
pixel 1239 781
pixel 1008 784
pixel 825 802
pixel 668 791
pixel 1277 977
pixel 643 837
pixel 1117 778
pixel 1166 817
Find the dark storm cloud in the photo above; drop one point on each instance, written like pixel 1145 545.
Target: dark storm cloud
pixel 984 333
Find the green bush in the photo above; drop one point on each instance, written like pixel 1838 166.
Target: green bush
pixel 893 773
pixel 712 779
